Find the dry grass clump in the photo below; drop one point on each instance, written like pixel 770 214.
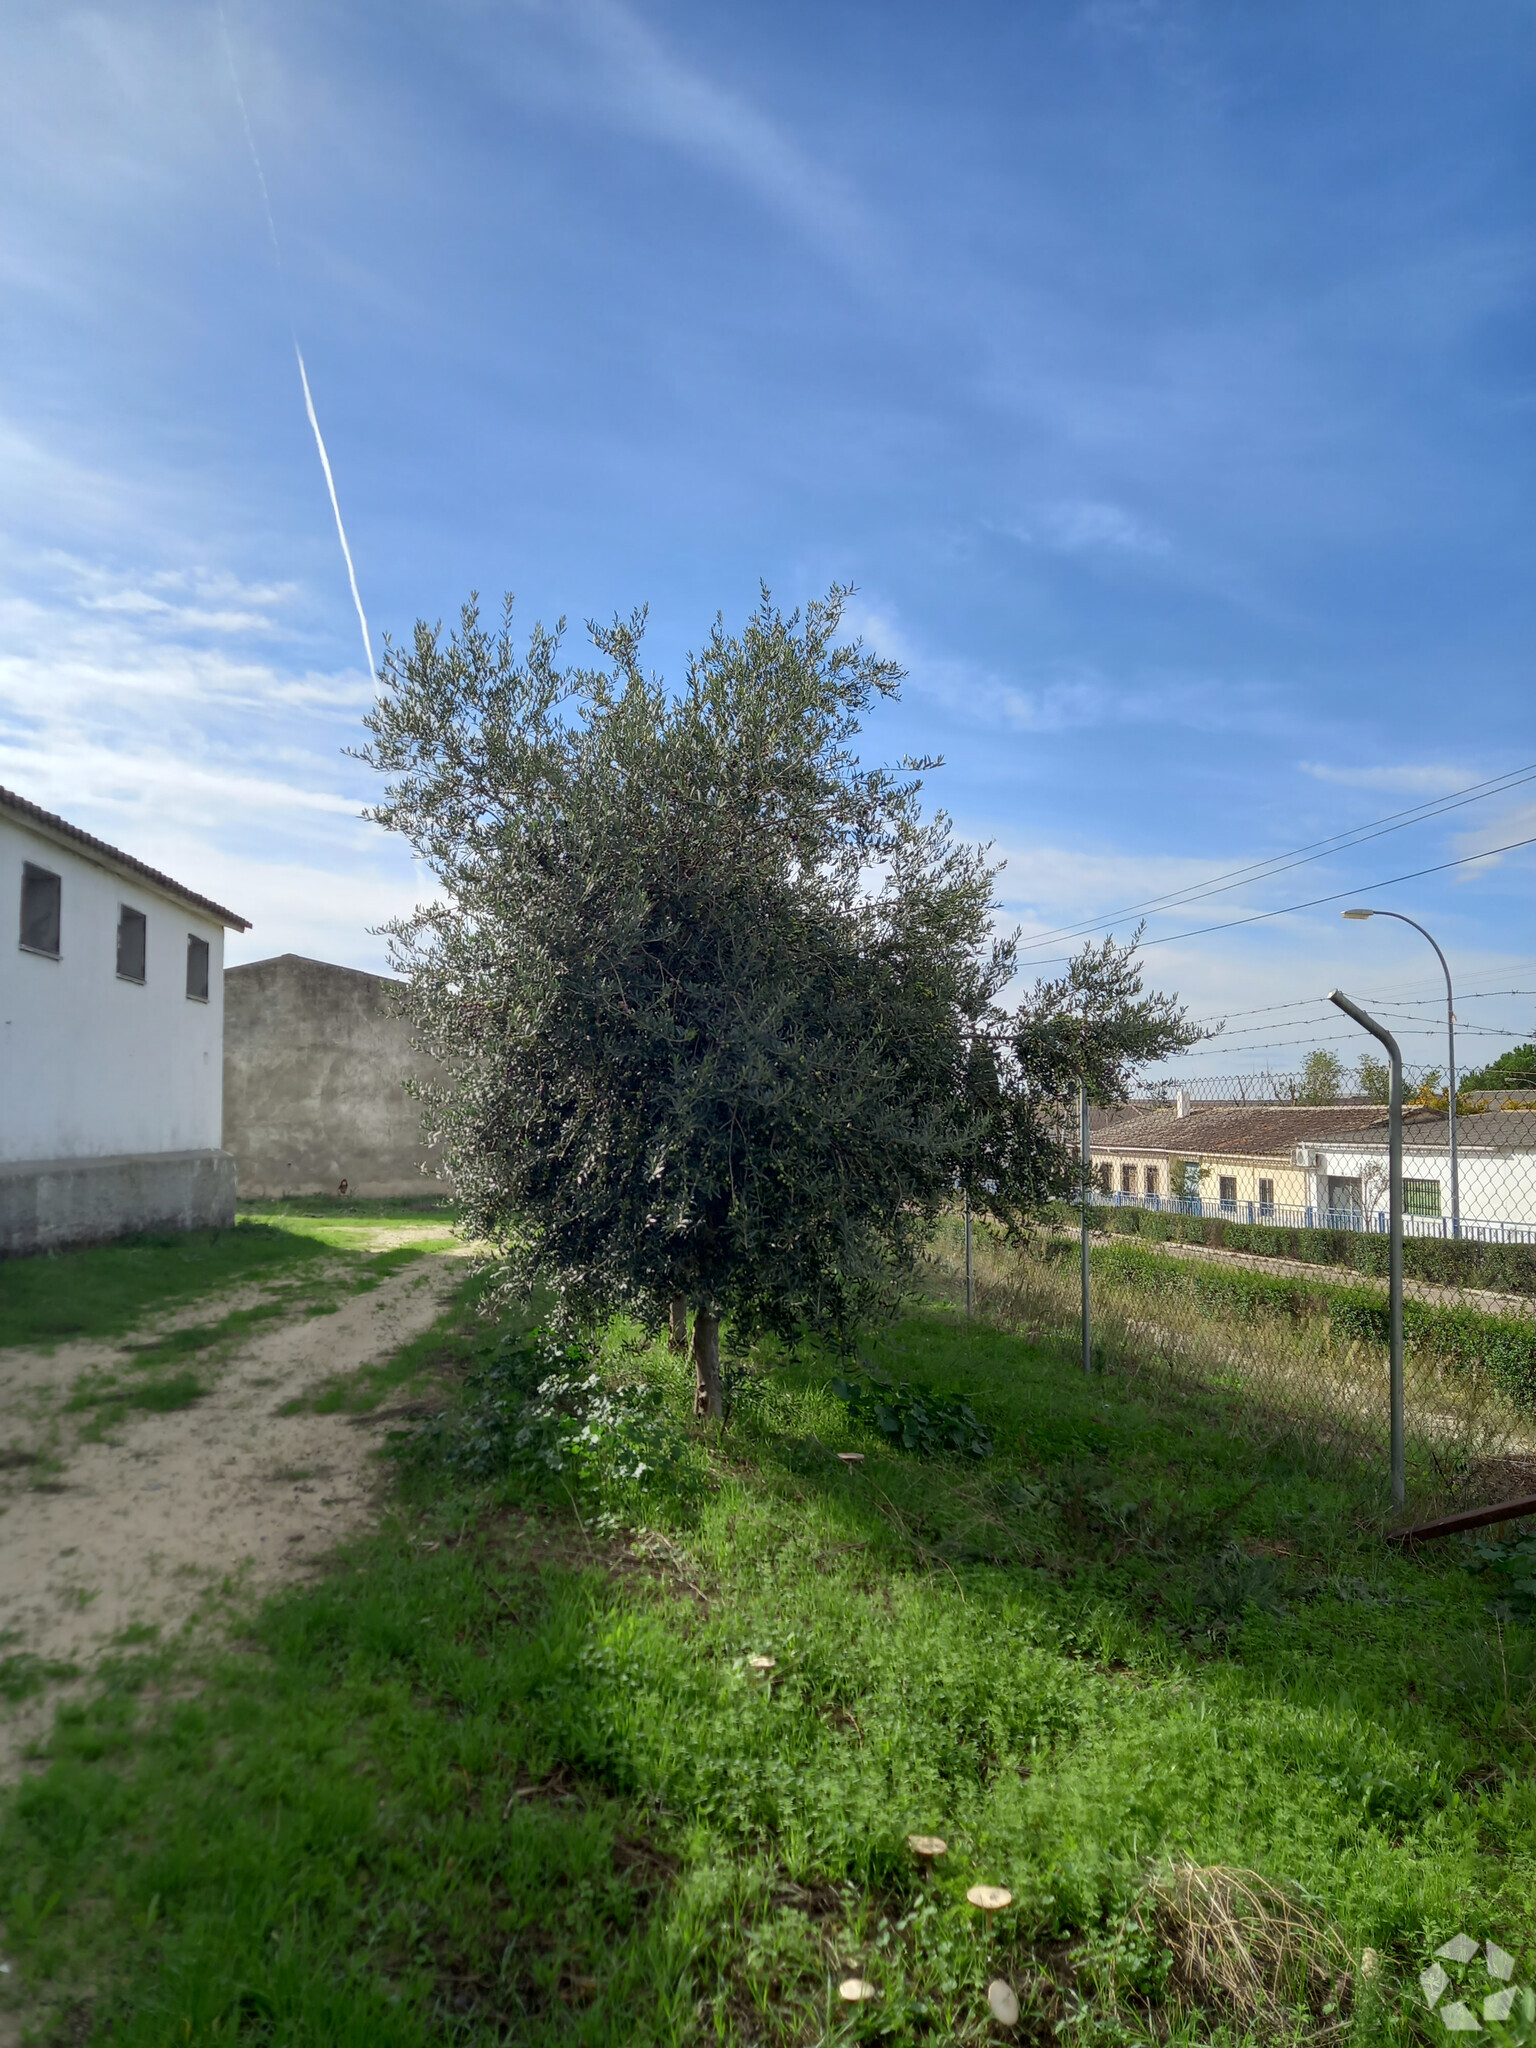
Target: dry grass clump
pixel 1245 1949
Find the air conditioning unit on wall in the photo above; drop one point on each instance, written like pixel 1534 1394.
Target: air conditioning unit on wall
pixel 1303 1155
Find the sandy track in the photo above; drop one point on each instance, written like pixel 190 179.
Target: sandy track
pixel 182 1510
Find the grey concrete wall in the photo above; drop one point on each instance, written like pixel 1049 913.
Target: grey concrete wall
pixel 314 1071
pixel 48 1203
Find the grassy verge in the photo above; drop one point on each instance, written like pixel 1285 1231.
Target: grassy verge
pixel 507 1775
pixel 1307 1352
pixel 1447 1262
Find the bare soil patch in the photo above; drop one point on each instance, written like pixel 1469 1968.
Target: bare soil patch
pixel 172 1516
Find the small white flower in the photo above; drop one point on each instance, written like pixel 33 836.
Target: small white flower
pixel 1432 1983
pixel 1459 2019
pixel 5 1969
pixel 1497 2004
pixel 1461 1948
pixel 1501 1963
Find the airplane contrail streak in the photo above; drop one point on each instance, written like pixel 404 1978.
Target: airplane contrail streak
pixel 330 485
pixel 309 403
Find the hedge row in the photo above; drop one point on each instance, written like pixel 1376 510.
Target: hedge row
pixel 1450 1262
pixel 1452 1334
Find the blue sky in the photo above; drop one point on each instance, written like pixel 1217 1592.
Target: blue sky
pixel 1163 376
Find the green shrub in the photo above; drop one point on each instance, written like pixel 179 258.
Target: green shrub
pixel 914 1417
pixel 1458 1335
pixel 1446 1261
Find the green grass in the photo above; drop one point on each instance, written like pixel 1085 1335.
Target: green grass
pixel 505 1775
pixel 109 1401
pixel 106 1291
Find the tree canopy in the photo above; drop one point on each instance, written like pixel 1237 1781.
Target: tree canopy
pixel 1513 1069
pixel 716 1004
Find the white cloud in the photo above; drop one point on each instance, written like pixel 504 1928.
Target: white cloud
pixel 1427 778
pixel 169 708
pixel 1081 526
pixel 640 85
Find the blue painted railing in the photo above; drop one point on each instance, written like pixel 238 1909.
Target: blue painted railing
pixel 1476 1229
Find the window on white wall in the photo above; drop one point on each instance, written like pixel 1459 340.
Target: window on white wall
pixel 132 927
pixel 197 969
pixel 41 893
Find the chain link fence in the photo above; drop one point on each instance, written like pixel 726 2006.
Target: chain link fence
pixel 1238 1238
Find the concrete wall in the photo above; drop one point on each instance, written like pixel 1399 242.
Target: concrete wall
pixel 48 1203
pixel 314 1066
pixel 92 1066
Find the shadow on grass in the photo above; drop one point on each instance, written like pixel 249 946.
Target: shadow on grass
pixel 105 1291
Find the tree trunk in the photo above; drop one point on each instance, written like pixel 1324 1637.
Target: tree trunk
pixel 677 1334
pixel 707 1396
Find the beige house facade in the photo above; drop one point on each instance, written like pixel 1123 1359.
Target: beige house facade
pixel 1250 1160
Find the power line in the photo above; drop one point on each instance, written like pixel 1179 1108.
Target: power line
pixel 1337 895
pixel 1302 856
pixel 1475 995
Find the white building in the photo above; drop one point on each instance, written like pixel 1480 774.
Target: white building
pixel 1496 1170
pixel 111 1041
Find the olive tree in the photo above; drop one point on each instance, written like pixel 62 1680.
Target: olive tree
pixel 1093 1027
pixel 704 987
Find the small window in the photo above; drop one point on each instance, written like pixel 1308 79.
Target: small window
pixel 40 897
pixel 197 969
pixel 1266 1194
pixel 1227 1186
pixel 131 932
pixel 1151 1181
pixel 1421 1197
pixel 1127 1180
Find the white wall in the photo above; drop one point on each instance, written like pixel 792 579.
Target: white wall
pixel 1501 1189
pixel 91 1065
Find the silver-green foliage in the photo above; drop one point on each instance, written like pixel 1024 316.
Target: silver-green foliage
pixel 698 979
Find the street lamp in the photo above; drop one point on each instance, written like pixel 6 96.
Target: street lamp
pixel 1450 1032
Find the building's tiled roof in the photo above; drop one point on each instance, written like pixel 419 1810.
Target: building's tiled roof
pixel 62 829
pixel 1233 1130
pixel 1230 1130
pixel 1489 1130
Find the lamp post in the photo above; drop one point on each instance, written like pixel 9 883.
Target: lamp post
pixel 1395 1245
pixel 1450 1035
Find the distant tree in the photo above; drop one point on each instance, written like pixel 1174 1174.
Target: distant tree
pixel 1513 1069
pixel 1322 1077
pixel 705 990
pixel 1375 1078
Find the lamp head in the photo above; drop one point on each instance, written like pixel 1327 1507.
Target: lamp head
pixel 1359 913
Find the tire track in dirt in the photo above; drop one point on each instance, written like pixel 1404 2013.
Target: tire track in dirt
pixel 182 1513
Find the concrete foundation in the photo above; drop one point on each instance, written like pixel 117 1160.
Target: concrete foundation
pixel 48 1203
pixel 315 1066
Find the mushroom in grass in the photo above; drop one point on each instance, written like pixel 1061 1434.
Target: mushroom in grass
pixel 925 1848
pixel 854 1990
pixel 762 1667
pixel 1004 2001
pixel 850 1459
pixel 989 1899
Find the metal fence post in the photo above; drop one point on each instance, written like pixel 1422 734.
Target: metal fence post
pixel 970 1270
pixel 1395 1254
pixel 1085 1167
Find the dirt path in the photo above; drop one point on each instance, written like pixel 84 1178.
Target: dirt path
pixel 176 1512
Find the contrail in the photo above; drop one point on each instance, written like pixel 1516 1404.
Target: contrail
pixel 330 485
pixel 309 403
